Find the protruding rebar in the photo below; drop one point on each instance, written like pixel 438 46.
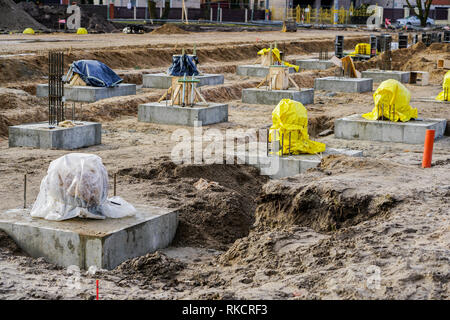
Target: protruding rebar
pixel 24 190
pixel 290 142
pixel 115 184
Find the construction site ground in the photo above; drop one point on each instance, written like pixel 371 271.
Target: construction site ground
pixel 375 227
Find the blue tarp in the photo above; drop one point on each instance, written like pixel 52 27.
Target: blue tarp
pixel 96 73
pixel 183 65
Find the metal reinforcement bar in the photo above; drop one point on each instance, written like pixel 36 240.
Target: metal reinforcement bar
pixel 55 88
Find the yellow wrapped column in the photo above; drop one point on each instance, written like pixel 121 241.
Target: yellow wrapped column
pixel 444 95
pixel 392 102
pixel 290 117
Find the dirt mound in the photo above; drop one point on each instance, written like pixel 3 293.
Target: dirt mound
pixel 13 18
pixel 169 28
pixel 8 245
pixel 19 107
pixel 34 67
pixel 415 58
pixel 323 201
pixel 212 217
pixel 152 266
pixel 49 14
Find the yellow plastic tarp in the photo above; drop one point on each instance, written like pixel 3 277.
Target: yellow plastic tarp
pixel 82 31
pixel 28 31
pixel 390 94
pixel 276 56
pixel 444 95
pixel 290 116
pixel 362 48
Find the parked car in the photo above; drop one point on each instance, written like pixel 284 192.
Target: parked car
pixel 412 21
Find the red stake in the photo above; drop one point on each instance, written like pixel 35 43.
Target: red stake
pixel 96 281
pixel 428 149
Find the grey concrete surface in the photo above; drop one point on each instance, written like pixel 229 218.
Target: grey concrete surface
pixel 164 81
pixel 382 75
pixel 89 94
pixel 90 242
pixel 338 84
pixel 255 70
pixel 314 64
pixel 355 127
pixel 39 135
pixel 166 114
pixel 263 96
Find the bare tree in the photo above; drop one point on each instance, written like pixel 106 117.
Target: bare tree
pixel 424 10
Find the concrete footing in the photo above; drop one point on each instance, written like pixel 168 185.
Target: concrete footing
pixel 314 64
pixel 338 84
pixel 277 167
pixel 90 94
pixel 255 70
pixel 164 81
pixel 355 127
pixel 159 112
pixel 273 97
pixel 86 242
pixel 39 135
pixel 382 75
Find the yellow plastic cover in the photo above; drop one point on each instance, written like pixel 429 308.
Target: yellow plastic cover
pixel 276 55
pixel 390 94
pixel 362 48
pixel 446 86
pixel 82 31
pixel 28 31
pixel 290 116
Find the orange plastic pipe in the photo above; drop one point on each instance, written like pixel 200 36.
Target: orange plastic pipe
pixel 428 149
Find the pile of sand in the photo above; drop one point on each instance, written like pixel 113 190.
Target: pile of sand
pixel 169 28
pixel 13 18
pixel 19 107
pixel 418 57
pixel 8 245
pixel 152 266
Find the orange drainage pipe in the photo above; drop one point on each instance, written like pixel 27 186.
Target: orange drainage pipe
pixel 428 149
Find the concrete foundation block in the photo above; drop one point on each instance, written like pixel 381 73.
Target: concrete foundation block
pixel 87 242
pixel 159 112
pixel 355 127
pixel 255 70
pixel 38 135
pixel 338 84
pixel 277 167
pixel 273 97
pixel 382 75
pixel 164 81
pixel 90 94
pixel 314 64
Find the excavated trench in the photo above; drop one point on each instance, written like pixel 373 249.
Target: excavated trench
pixel 324 199
pixel 219 204
pixel 35 67
pixel 216 202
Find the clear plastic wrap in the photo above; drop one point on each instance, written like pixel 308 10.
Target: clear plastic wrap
pixel 76 185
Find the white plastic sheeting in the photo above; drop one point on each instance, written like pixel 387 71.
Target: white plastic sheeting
pixel 76 185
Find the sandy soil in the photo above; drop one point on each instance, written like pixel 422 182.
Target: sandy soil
pixel 370 228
